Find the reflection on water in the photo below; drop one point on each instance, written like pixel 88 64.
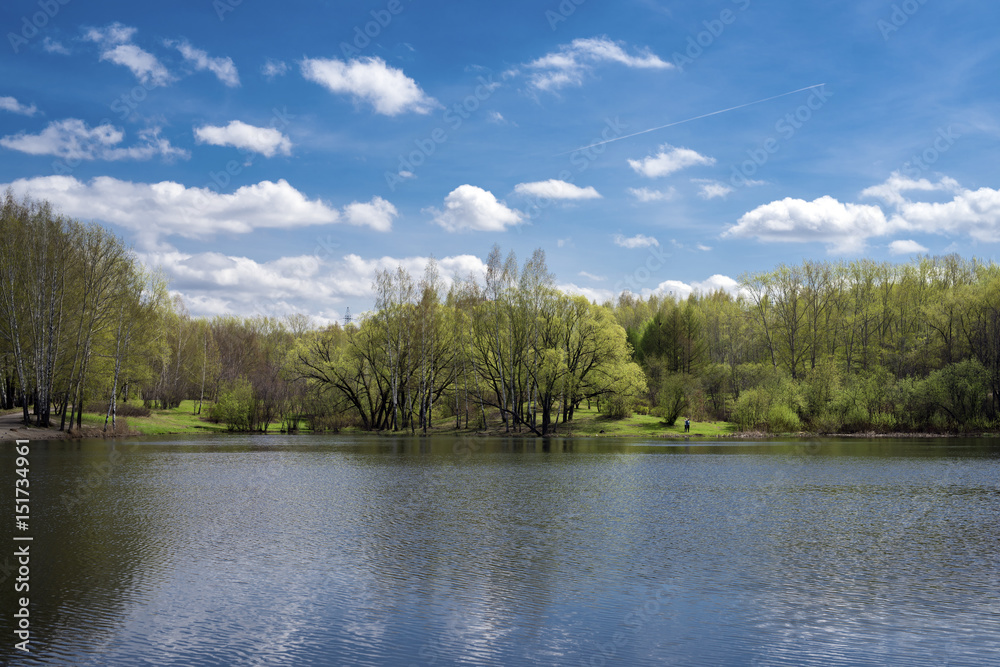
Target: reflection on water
pixel 372 551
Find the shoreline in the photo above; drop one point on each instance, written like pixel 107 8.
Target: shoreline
pixel 14 429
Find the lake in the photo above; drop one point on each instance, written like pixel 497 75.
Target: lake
pixel 332 550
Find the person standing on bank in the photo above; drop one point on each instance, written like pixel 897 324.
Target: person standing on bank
pixel 687 425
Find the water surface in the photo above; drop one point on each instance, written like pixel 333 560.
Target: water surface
pixel 407 551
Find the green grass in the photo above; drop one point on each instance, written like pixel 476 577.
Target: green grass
pixel 590 423
pixel 163 422
pixel 586 422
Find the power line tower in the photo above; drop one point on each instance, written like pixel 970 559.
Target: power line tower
pixel 347 316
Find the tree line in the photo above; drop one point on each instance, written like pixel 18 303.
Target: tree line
pixel 830 347
pixel 821 346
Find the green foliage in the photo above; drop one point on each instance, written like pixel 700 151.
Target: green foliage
pixel 673 399
pixel 773 406
pixel 617 407
pixel 959 392
pixel 236 406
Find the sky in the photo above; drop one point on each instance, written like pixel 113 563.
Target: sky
pixel 269 159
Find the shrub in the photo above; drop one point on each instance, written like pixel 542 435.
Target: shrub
pixel 782 419
pixel 750 410
pixel 235 407
pixel 617 407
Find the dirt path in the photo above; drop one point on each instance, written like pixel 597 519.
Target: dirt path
pixel 11 428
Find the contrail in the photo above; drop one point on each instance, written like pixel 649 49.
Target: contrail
pixel 688 120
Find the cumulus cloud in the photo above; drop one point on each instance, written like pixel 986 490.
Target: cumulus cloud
pixel 468 207
pixel 846 227
pixel 843 227
pixel 571 62
pixel 668 160
pixel 223 68
pixel 115 42
pixel 556 189
pixel 975 213
pixel 678 289
pixel 264 140
pixel 713 189
pixel 273 68
pixel 212 283
pixel 906 248
pixel 647 195
pixel 370 80
pixel 377 214
pixel 156 210
pixel 11 104
pixel 637 241
pixel 73 139
pixel 682 290
pixel 594 294
pixel 891 192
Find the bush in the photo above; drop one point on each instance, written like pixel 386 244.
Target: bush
pixel 750 410
pixel 236 406
pixel 617 407
pixel 782 419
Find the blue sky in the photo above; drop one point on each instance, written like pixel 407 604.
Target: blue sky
pixel 270 159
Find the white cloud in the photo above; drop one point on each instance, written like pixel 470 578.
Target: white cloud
pixel 713 189
pixel 593 277
pixel 144 65
pixel 115 41
pixel 52 46
pixel 114 33
pixel 370 80
pixel 637 241
pixel 377 214
pixel 223 68
pixel 906 248
pixel 264 140
pixel 273 68
pixel 11 104
pixel 555 189
pixel 468 207
pixel 155 210
pixel 668 160
pixel 843 227
pixel 596 294
pixel 496 117
pixel 647 195
pixel 891 192
pixel 678 289
pixel 976 213
pixel 681 290
pixel 72 139
pixel 703 247
pixel 846 227
pixel 571 62
pixel 212 283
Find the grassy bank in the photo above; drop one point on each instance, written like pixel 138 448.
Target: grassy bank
pixel 177 420
pixel 585 423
